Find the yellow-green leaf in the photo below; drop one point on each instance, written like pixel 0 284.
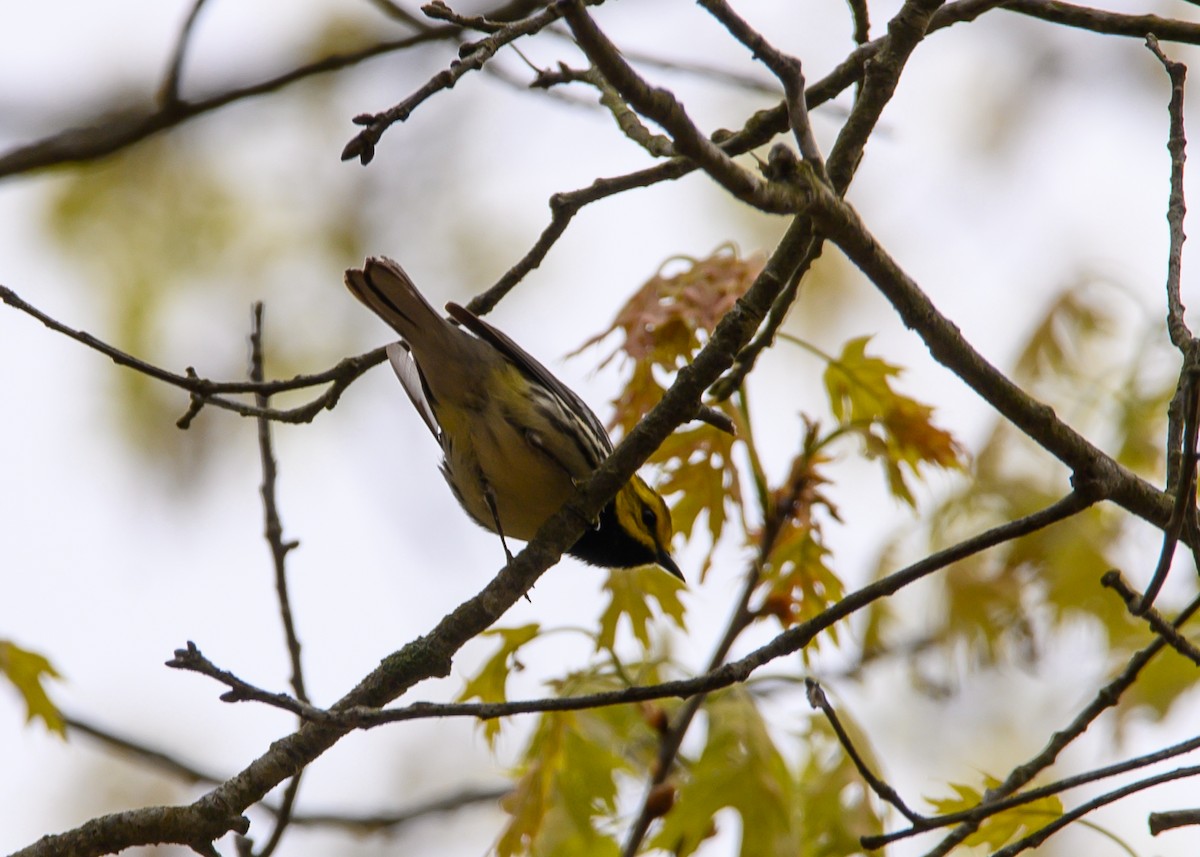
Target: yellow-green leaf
pixel 27 671
pixel 630 591
pixel 800 583
pixel 896 429
pixel 491 683
pixel 740 768
pixel 699 476
pixel 1004 827
pixel 565 799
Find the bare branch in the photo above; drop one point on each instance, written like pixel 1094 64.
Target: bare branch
pixel 472 57
pixel 1039 836
pixel 1090 465
pixel 168 94
pixel 718 676
pixel 862 21
pixel 159 759
pixel 205 392
pixel 818 700
pixel 169 764
pixel 1163 821
pixel 107 134
pixel 663 108
pixel 192 659
pixel 1182 428
pixel 430 655
pixel 1112 580
pixel 1107 697
pixel 1176 208
pixel 785 67
pixel 1108 23
pixel 272 526
pixel 995 807
pixel 392 820
pixel 657 145
pixel 273 531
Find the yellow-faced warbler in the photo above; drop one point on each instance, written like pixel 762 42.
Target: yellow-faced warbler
pixel 517 442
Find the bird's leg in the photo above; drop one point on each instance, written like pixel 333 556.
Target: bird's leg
pixel 490 498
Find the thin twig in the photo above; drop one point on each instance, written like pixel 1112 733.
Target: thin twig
pixel 1040 835
pixel 205 392
pixel 108 135
pixel 1181 336
pixel 273 532
pixel 192 659
pixel 157 759
pixel 671 739
pixel 785 67
pixel 272 525
pixel 472 57
pixel 994 807
pixel 366 823
pixel 661 106
pixel 1105 22
pixel 1171 819
pixel 862 21
pixel 886 62
pixel 818 700
pixel 1183 466
pixel 168 93
pixel 391 820
pixel 398 13
pixel 1107 697
pixel 1113 580
pixel 657 145
pixel 1183 482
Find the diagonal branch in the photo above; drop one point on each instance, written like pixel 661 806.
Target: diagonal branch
pixel 1105 22
pixel 720 674
pixel 1107 697
pixel 206 392
pixel 472 57
pixel 994 807
pixel 839 222
pixel 212 815
pixel 661 106
pixel 168 94
pixel 107 134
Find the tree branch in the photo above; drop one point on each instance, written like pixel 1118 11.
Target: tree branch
pixel 206 392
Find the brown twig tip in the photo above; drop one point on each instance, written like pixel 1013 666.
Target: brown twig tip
pixel 717 419
pixel 816 696
pixel 1171 819
pixel 1173 67
pixel 359 148
pixel 186 658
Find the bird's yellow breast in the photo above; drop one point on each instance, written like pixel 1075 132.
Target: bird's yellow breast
pixel 527 474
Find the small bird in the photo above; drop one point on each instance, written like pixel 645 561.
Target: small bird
pixel 517 442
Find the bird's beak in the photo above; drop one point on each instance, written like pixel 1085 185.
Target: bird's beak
pixel 665 560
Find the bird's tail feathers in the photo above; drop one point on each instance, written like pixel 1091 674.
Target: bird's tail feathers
pixel 388 292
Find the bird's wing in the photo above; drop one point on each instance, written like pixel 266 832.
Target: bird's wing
pixel 525 361
pixel 409 374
